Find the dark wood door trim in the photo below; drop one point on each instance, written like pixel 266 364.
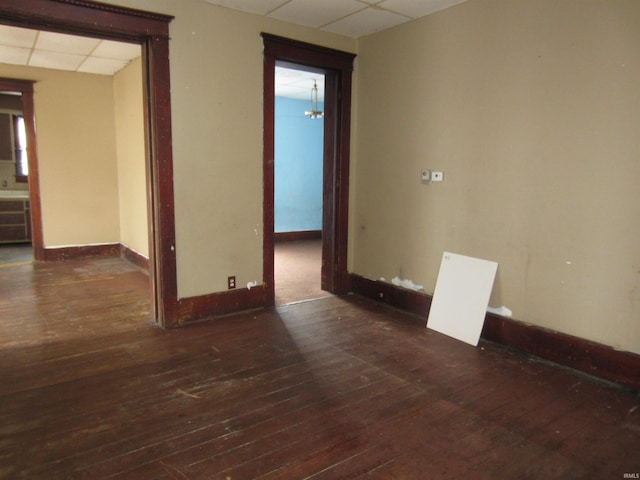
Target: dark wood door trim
pixel 150 30
pixel 337 67
pixel 25 87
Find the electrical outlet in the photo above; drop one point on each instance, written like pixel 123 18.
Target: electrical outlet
pixel 437 176
pixel 425 176
pixel 231 282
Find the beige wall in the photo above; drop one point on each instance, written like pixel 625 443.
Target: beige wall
pixel 131 159
pixel 91 156
pixel 216 95
pixel 532 109
pixel 76 155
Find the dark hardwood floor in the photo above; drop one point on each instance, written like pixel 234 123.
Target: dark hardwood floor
pixel 336 388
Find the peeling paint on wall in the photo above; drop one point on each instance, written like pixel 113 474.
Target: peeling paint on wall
pixel 502 311
pixel 406 283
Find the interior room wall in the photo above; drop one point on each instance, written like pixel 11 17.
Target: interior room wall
pixel 216 59
pixel 298 167
pixel 531 109
pixel 131 157
pixel 76 155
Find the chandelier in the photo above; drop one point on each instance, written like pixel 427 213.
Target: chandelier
pixel 314 112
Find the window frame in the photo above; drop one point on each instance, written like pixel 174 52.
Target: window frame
pixel 14 114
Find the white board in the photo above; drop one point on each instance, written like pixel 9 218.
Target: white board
pixel 461 297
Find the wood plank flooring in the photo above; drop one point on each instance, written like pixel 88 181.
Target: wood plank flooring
pixel 335 388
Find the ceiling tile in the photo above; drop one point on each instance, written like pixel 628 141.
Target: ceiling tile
pixel 118 50
pixel 17 37
pixel 64 52
pixel 63 61
pixel 414 9
pixel 102 66
pixel 14 55
pixel 313 13
pixel 58 42
pixel 366 22
pixel 334 14
pixel 261 7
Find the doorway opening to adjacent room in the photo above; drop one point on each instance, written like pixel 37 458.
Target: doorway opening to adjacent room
pixel 150 31
pixel 298 184
pixel 336 68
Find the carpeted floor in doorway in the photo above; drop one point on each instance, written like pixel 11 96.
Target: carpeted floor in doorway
pixel 297 271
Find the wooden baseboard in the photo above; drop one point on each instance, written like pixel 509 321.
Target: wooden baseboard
pixel 192 309
pixel 401 298
pixel 295 236
pixel 577 353
pixel 134 257
pixel 572 352
pixel 59 254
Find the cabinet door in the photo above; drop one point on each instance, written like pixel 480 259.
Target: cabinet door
pixel 14 221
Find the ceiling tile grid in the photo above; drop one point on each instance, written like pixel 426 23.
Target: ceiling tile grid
pixel 352 18
pixel 259 7
pixel 315 14
pixel 33 48
pixel 366 22
pixel 59 42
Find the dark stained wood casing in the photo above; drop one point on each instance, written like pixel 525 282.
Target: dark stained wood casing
pixel 151 31
pixel 337 66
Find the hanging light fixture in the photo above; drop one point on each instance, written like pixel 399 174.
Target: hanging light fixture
pixel 314 112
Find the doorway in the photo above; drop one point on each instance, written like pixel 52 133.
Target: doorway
pixel 337 68
pixel 54 171
pixel 298 165
pixel 151 31
pixel 15 224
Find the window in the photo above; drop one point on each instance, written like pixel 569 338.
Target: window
pixel 20 148
pixel 13 142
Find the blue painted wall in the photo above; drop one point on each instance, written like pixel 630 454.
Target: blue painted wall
pixel 298 167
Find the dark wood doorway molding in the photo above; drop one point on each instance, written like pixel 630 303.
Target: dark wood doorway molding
pixel 25 87
pixel 337 66
pixel 151 31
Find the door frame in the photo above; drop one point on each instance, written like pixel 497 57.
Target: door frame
pixel 151 31
pixel 25 87
pixel 337 66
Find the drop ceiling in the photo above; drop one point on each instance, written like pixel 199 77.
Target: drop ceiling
pixel 353 18
pixel 34 48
